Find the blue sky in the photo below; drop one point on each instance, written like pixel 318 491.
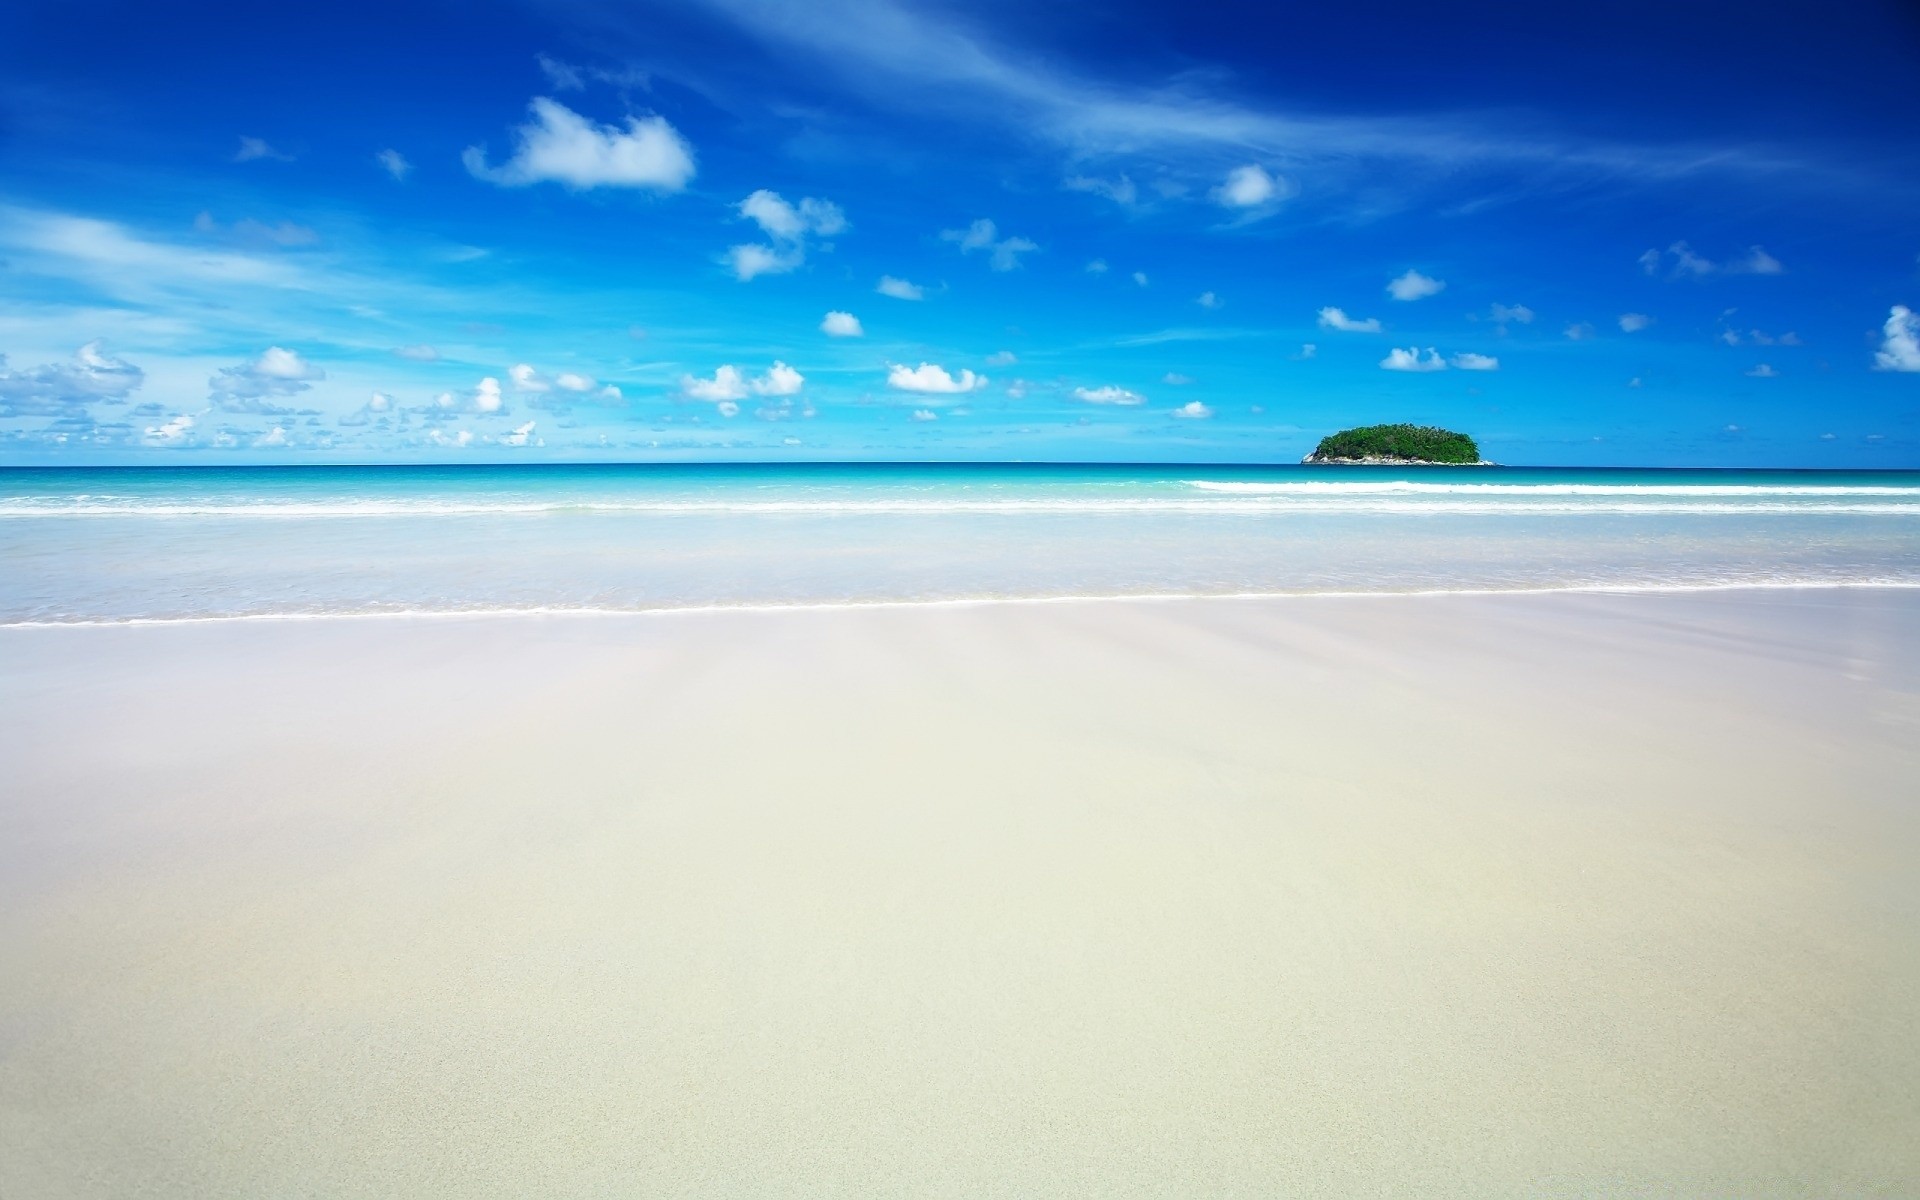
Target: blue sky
pixel 858 229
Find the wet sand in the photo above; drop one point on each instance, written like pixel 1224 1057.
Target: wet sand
pixel 1441 896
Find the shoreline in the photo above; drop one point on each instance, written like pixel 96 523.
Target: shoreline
pixel 964 602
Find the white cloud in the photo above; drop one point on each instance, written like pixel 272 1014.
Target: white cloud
pixel 1002 358
pixel 1121 191
pixel 1003 254
pixel 1097 266
pixel 173 432
pixel 1900 344
pixel 1414 286
pixel 563 76
pixel 1683 263
pixel 519 435
pixel 1140 277
pixel 250 386
pixel 925 414
pixel 573 381
pixel 1333 318
pixel 1579 331
pixel 526 379
pixel 1411 360
pixel 753 259
pixel 275 437
pixel 899 289
pixel 1251 187
pixel 253 149
pixel 727 408
pixel 456 439
pixel 561 146
pixel 780 380
pixel 1518 314
pixel 421 353
pixel 62 388
pixel 841 324
pixel 1109 395
pixel 1193 410
pixel 1176 379
pixel 1207 300
pixel 1763 371
pixel 1635 382
pixel 394 163
pixel 933 379
pixel 1634 322
pixel 1307 350
pixel 727 384
pixel 1467 360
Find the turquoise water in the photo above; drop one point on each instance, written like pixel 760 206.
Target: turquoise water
pixel 182 543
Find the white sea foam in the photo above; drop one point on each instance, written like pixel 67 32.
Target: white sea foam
pixel 517 611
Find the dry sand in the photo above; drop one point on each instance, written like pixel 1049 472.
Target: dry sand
pixel 1516 896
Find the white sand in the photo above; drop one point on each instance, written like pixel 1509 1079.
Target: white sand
pixel 1524 896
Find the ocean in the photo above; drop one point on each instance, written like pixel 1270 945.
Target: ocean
pixel 169 544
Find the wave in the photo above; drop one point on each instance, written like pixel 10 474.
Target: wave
pixel 1227 499
pixel 480 613
pixel 1411 488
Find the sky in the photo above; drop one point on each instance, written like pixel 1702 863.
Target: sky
pixel 574 230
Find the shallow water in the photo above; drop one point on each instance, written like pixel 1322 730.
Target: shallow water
pixel 187 543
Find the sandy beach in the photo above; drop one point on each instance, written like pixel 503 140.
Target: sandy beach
pixel 1554 895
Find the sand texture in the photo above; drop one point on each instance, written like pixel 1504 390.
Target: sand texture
pixel 1445 896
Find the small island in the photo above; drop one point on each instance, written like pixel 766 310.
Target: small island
pixel 1398 445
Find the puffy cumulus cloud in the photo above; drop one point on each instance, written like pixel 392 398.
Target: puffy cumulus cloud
pixel 751 260
pixel 91 376
pixel 1193 410
pixel 1140 278
pixel 1002 358
pixel 1516 314
pixel 1411 359
pixel 1679 261
pixel 730 384
pixel 517 436
pixel 171 433
pixel 1003 254
pixel 1900 341
pixel 780 380
pixel 526 379
pixel 1250 187
pixel 454 440
pixel 1763 371
pixel 485 399
pixel 1307 351
pixel 561 146
pixel 1634 322
pixel 1109 394
pixel 420 353
pixel 273 439
pixel 933 379
pixel 789 225
pixel 1467 360
pixel 1579 331
pixel 727 384
pixel 393 163
pixel 727 408
pixel 900 289
pixel 1334 318
pixel 841 324
pixel 1208 300
pixel 792 222
pixel 1414 286
pixel 252 387
pixel 925 414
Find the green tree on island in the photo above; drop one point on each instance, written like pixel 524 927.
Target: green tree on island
pixel 1397 443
